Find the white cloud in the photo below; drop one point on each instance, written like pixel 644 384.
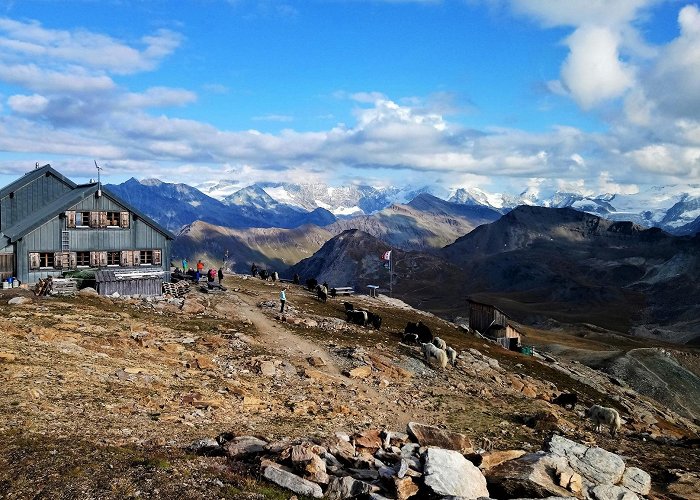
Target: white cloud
pixel 82 47
pixel 158 97
pixel 593 71
pixel 27 104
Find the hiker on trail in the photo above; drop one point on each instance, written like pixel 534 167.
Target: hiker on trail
pixel 211 275
pixel 185 265
pixel 254 270
pixel 283 298
pixel 200 270
pixel 221 275
pixel 296 279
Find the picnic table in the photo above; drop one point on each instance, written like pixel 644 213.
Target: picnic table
pixel 342 290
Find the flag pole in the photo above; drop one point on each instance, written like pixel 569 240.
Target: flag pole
pixel 391 272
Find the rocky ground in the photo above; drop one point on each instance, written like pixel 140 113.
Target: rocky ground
pixel 101 397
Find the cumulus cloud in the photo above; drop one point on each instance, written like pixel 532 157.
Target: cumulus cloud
pixel 85 48
pixel 593 71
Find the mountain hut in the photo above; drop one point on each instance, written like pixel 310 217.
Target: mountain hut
pixel 50 225
pixel 494 324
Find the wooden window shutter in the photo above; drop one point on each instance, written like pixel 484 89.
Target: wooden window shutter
pixel 103 219
pixel 34 262
pixel 124 219
pixel 94 259
pixel 136 259
pixel 102 260
pixel 127 258
pixel 157 261
pixel 94 219
pixel 70 219
pixel 61 260
pixel 73 257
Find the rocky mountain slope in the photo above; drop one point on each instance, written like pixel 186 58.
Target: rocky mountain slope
pixel 123 397
pixel 269 248
pixel 426 223
pixel 176 205
pixel 543 263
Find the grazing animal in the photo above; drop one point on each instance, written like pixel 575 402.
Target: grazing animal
pixel 375 320
pixel 263 274
pixel 565 399
pixel 311 284
pixel 451 355
pixel 357 317
pixel 322 293
pixel 275 276
pixel 430 351
pixel 423 332
pixel 409 338
pixel 348 306
pixel 602 415
pixel 439 343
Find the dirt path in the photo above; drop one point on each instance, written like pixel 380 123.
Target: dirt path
pixel 275 336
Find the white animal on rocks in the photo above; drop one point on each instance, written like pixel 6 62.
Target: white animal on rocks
pixel 439 343
pixel 451 355
pixel 602 415
pixel 430 351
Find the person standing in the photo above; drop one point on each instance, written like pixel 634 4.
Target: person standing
pixel 283 298
pixel 185 265
pixel 221 275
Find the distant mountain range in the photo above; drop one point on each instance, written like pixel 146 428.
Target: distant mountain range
pixel 539 264
pixel 676 209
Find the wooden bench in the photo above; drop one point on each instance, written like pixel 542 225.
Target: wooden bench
pixel 342 290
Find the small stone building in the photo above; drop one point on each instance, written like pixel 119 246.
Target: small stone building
pixel 493 323
pixel 50 225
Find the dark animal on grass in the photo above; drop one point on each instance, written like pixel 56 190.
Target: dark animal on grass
pixel 348 306
pixel 311 284
pixel 566 399
pixel 263 274
pixel 423 332
pixel 322 293
pixel 374 319
pixel 356 317
pixel 410 339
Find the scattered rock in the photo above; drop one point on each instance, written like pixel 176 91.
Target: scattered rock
pixel 292 482
pixel 360 372
pixel 427 435
pixel 346 487
pixel 18 301
pixel 448 473
pixel 7 357
pixel 244 445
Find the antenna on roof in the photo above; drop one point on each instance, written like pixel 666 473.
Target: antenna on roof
pixel 99 184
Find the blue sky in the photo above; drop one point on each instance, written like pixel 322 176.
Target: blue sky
pixel 595 95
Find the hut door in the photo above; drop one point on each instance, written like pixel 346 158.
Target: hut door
pixel 7 265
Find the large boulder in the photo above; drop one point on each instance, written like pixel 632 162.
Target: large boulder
pixel 448 473
pixel 244 445
pixel 596 465
pixel 534 475
pixel 292 482
pixel 427 435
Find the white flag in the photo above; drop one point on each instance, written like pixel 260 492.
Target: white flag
pixel 387 255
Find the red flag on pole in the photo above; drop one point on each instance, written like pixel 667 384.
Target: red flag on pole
pixel 386 255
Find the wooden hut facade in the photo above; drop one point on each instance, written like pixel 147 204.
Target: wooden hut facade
pixel 493 323
pixel 49 225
